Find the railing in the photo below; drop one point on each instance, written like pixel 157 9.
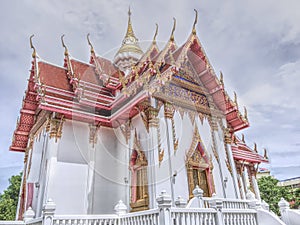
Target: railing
pixel 36 221
pixel 235 204
pixel 12 223
pixel 149 217
pixel 239 216
pixel 193 216
pixel 109 219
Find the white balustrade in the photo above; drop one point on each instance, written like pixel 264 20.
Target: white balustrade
pixel 235 204
pixel 239 216
pixel 148 217
pixel 109 219
pixel 193 216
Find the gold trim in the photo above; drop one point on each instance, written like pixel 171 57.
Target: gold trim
pixel 93 134
pixel 175 141
pixel 56 125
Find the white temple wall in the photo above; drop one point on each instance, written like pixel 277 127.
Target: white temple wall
pixel 184 132
pixel 37 169
pixel 110 171
pixel 68 190
pixel 68 169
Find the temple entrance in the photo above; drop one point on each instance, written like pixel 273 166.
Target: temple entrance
pixel 199 168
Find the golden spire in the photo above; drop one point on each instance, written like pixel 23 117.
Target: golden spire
pixel 129 32
pixel 156 32
pixel 90 44
pixel 31 46
pixel 63 44
pixel 195 22
pixel 173 29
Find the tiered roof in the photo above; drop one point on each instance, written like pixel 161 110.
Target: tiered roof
pixel 243 153
pixel 98 92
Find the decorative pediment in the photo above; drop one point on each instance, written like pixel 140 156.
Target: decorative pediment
pixel 138 157
pixel 197 155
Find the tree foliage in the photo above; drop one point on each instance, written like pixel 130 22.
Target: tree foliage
pixel 9 198
pixel 271 193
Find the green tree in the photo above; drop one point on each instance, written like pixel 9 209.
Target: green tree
pixel 9 198
pixel 271 193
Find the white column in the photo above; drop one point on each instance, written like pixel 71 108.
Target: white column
pixel 152 154
pixel 93 137
pixel 169 113
pixel 255 187
pixel 242 190
pixel 164 204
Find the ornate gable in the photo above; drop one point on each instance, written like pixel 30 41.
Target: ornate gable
pixel 197 155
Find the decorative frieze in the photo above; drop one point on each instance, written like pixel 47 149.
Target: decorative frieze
pixel 160 150
pixel 213 123
pixel 175 141
pixel 227 135
pixel 125 129
pixel 169 110
pixel 54 126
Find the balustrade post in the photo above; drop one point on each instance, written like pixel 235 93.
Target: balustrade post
pixel 28 215
pixel 265 205
pixel 217 204
pixel 48 212
pixel 198 193
pixel 121 208
pixel 253 202
pixel 164 204
pixel 284 206
pixel 180 202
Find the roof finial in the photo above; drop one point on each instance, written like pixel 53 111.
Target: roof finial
pixel 63 44
pixel 255 147
pixel 195 22
pixel 245 113
pixel 31 46
pixel 173 29
pixel 265 153
pixel 243 138
pixel 156 32
pixel 221 78
pixel 235 99
pixel 90 44
pixel 129 32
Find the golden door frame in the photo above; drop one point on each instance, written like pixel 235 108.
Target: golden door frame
pixel 199 166
pixel 139 180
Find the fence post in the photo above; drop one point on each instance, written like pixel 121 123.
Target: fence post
pixel 284 206
pixel 253 202
pixel 198 193
pixel 48 212
pixel 217 204
pixel 28 215
pixel 164 204
pixel 180 202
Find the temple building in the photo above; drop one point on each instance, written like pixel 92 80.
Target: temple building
pixel 148 120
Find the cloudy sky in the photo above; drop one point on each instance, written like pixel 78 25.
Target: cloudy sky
pixel 255 43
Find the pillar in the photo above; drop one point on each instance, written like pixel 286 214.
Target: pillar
pixel 164 204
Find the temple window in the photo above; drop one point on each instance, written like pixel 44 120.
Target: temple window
pixel 139 185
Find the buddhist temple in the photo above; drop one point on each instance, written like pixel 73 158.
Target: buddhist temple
pixel 126 128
